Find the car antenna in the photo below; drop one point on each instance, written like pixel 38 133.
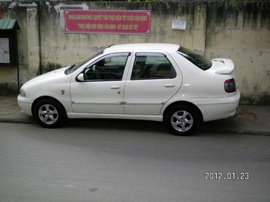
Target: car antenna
pixel 118 41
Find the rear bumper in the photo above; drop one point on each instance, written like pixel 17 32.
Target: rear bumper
pixel 220 108
pixel 236 113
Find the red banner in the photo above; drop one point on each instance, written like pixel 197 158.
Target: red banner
pixel 108 21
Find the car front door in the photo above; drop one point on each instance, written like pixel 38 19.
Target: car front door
pixel 99 88
pixel 153 81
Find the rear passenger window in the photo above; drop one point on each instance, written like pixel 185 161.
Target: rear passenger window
pixel 152 66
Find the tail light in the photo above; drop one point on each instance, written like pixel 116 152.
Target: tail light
pixel 230 86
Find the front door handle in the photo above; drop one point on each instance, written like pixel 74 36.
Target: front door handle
pixel 115 87
pixel 169 85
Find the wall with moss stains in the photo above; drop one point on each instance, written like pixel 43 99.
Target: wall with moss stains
pixel 240 31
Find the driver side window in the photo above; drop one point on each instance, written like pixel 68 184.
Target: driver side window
pixel 109 68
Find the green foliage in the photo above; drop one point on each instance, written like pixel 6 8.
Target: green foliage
pixel 249 1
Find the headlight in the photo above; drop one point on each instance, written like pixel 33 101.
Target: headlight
pixel 22 93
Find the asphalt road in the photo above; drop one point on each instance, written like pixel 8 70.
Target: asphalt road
pixel 133 163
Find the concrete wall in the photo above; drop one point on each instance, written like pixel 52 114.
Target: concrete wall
pixel 242 32
pixel 216 29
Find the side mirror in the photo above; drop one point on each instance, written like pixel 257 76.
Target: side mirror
pixel 80 77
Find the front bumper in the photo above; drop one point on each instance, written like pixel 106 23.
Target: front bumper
pixel 25 104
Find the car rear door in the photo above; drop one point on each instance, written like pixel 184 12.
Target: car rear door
pixel 154 79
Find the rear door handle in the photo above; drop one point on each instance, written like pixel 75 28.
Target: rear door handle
pixel 169 85
pixel 115 87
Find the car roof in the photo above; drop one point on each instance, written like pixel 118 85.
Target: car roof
pixel 142 47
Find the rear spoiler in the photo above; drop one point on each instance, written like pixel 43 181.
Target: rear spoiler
pixel 228 66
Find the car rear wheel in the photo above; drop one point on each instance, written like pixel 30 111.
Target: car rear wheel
pixel 182 120
pixel 49 113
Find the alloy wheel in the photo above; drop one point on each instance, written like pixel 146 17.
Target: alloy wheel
pixel 182 121
pixel 48 114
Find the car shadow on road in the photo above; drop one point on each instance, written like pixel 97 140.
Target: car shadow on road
pixel 117 124
pixel 145 126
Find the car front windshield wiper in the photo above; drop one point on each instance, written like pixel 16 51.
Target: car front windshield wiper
pixel 75 66
pixel 71 69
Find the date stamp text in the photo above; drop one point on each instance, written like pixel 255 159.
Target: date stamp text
pixel 226 176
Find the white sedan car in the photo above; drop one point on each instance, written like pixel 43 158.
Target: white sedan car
pixel 151 81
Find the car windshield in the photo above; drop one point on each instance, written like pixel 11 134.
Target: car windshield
pixel 74 67
pixel 195 58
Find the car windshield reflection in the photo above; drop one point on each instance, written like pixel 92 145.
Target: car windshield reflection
pixel 195 58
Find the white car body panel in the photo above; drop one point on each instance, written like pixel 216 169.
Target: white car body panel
pixel 97 97
pixel 51 84
pixel 146 98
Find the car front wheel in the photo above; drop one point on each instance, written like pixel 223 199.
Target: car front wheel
pixel 182 120
pixel 49 113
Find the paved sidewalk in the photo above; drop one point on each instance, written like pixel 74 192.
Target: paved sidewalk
pixel 251 119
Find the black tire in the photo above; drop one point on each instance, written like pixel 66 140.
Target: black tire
pixel 49 113
pixel 182 120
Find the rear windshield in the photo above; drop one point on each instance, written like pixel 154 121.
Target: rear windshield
pixel 195 58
